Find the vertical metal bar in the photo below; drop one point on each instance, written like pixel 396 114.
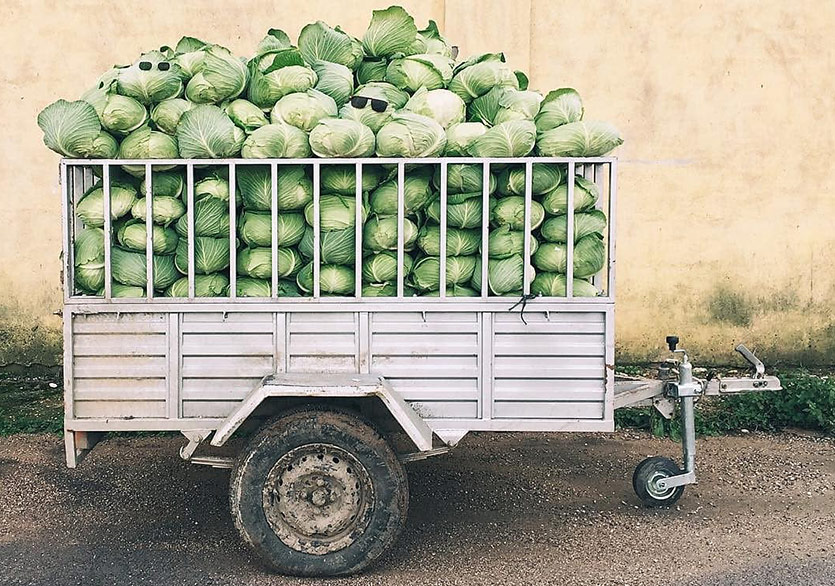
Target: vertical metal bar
pixel 190 220
pixel 613 190
pixel 77 191
pixel 688 436
pixel 69 375
pixel 486 366
pixel 280 335
pixel 597 178
pixel 149 231
pixel 401 216
pixel 66 211
pixel 442 235
pixel 485 228
pixel 174 380
pixel 526 254
pixel 569 234
pixel 609 341
pixel 108 236
pixel 364 342
pixel 233 221
pixel 317 230
pixel 274 227
pixel 358 232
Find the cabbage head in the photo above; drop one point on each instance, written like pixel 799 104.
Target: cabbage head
pixel 460 136
pixel 145 143
pixel 413 72
pixel 504 242
pixel 341 179
pixel 508 139
pixel 453 291
pixel 589 256
pixel 391 31
pixel 559 107
pixel 335 247
pixel 417 194
pixel 70 128
pixel 165 210
pixel 553 285
pixel 166 115
pixel 207 132
pixel 257 262
pixel 149 85
pixel 248 287
pixel 502 104
pixel 585 223
pixel 295 189
pixel 465 214
pixel 91 207
pixel 335 80
pixel 385 290
pixel 189 55
pixel 332 137
pixel 132 234
pixel 122 115
pixel 211 218
pixel 255 228
pixel 411 136
pixel 89 260
pixel 214 285
pixel 336 212
pixel 318 42
pixel 382 267
pixel 284 74
pixel 211 255
pixel 333 279
pixel 464 178
pixel 378 90
pixel 477 76
pixel 510 211
pixel 372 69
pixel 504 276
pixel 117 290
pixel 129 268
pixel 222 77
pixel 459 242
pixel 303 110
pixel 245 115
pixel 276 141
pixel 586 195
pixel 170 183
pixel 546 177
pixel 426 274
pixel 381 234
pixel 443 106
pixel 579 139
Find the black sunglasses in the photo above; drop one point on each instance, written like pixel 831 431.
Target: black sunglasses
pixel 147 66
pixel 360 102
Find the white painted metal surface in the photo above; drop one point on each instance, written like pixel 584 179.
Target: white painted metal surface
pixel 463 364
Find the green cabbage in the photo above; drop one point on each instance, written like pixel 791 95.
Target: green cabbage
pixel 341 179
pixel 211 255
pixel 247 287
pixel 459 242
pixel 150 85
pixel 303 110
pixel 255 228
pixel 460 137
pixel 214 285
pixel 132 235
pixel 579 139
pixel 129 268
pixel 333 279
pixel 211 218
pixel 559 107
pixel 586 195
pixel 164 209
pixel 381 234
pixel 166 115
pixel 257 262
pixel 145 143
pixel 336 247
pixel 318 42
pixel 546 177
pixel 427 272
pixel 413 72
pixel 207 132
pixel 553 285
pixel 589 256
pixel 336 212
pixel 504 242
pixel 510 211
pixel 417 194
pixel 382 267
pixel 70 128
pixel 504 276
pixel 222 77
pixel 245 115
pixel 91 207
pixel 410 135
pixel 585 223
pixel 341 138
pixel 515 138
pixel 391 31
pixel 295 189
pixel 335 80
pixel 276 141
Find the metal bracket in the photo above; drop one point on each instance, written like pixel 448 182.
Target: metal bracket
pixel 415 456
pixel 214 462
pixel 753 360
pixel 674 481
pixel 195 438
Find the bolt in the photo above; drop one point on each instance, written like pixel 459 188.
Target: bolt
pixel 320 482
pixel 319 498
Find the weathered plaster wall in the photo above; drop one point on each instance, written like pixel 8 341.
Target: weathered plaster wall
pixel 727 195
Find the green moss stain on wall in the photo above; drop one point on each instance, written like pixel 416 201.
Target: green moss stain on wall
pixel 28 337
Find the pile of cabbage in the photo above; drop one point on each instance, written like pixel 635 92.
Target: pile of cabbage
pixel 397 92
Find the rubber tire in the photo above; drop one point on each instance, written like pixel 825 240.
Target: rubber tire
pixel 349 432
pixel 644 472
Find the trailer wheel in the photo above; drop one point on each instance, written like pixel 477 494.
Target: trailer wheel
pixel 648 473
pixel 319 493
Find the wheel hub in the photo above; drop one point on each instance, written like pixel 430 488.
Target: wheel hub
pixel 655 490
pixel 318 498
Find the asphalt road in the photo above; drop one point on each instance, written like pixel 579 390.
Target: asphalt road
pixel 500 509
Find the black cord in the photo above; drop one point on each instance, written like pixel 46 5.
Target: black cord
pixel 523 300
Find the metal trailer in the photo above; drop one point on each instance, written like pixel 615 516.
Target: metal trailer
pixel 347 389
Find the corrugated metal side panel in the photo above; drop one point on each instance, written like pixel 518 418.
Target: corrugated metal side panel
pixel 224 357
pixel 431 358
pixel 553 367
pixel 119 365
pixel 322 342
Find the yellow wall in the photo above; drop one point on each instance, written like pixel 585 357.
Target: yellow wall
pixel 727 196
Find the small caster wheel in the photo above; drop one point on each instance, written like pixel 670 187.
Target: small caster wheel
pixel 645 479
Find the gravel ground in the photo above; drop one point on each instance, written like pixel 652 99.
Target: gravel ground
pixel 500 509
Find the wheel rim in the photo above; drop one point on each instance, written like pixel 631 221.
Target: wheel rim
pixel 657 492
pixel 318 498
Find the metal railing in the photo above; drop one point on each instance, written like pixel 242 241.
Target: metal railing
pixel 76 175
